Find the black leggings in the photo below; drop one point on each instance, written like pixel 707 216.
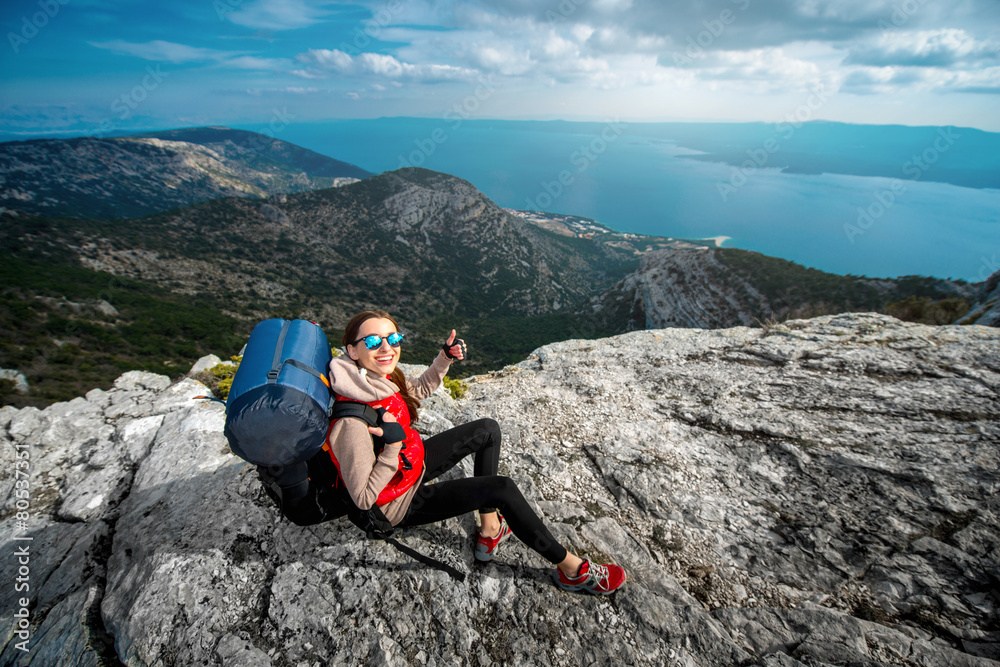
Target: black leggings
pixel 485 492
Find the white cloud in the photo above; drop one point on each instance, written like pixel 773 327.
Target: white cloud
pixel 581 33
pixel 618 39
pixel 506 59
pixel 758 70
pixel 180 54
pixel 514 47
pixel 939 61
pixel 603 6
pixel 554 46
pixel 894 80
pixel 844 11
pixel 741 46
pixel 164 51
pixel 275 15
pixel 731 24
pixel 325 59
pixel 784 47
pixel 306 74
pixel 928 48
pixel 561 57
pixel 982 81
pixel 321 62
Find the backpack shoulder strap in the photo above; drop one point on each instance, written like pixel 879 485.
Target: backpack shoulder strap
pixel 362 411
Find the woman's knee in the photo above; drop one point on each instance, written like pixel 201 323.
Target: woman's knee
pixel 488 429
pixel 503 488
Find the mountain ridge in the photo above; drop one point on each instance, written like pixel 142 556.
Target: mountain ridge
pixel 143 174
pixel 312 163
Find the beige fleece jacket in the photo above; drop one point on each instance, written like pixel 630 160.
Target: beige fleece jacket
pixel 364 474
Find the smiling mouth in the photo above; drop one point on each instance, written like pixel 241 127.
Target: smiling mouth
pixel 385 359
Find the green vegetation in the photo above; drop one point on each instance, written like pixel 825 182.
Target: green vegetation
pixel 57 331
pixel 7 391
pixel 456 388
pixel 70 329
pixel 219 378
pixel 795 291
pixel 926 311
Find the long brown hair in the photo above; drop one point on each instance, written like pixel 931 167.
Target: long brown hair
pixel 397 376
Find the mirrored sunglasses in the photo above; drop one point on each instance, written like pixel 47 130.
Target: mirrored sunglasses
pixel 374 341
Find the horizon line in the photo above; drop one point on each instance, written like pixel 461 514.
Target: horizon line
pixel 39 134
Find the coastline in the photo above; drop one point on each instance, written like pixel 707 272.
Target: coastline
pixel 718 240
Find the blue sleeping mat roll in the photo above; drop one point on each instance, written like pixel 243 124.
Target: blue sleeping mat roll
pixel 278 410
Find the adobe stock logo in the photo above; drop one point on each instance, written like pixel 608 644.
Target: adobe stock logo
pixel 883 200
pixel 714 28
pixel 759 157
pixel 582 158
pixel 31 25
pixel 123 105
pixel 901 14
pixel 459 112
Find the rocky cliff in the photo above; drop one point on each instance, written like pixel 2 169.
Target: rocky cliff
pixel 686 285
pixel 820 492
pixel 986 311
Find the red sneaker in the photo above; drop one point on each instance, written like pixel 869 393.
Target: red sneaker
pixel 486 547
pixel 593 578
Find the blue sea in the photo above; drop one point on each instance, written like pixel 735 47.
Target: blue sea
pixel 878 201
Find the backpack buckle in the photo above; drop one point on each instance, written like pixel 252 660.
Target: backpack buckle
pixel 272 375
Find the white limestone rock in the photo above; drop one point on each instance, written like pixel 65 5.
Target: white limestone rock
pixel 822 492
pixel 205 363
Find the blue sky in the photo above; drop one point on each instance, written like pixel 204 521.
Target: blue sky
pixel 89 66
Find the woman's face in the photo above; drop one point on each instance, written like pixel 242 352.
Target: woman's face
pixel 383 359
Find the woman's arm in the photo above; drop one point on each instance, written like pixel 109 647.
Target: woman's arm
pixel 431 379
pixel 364 474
